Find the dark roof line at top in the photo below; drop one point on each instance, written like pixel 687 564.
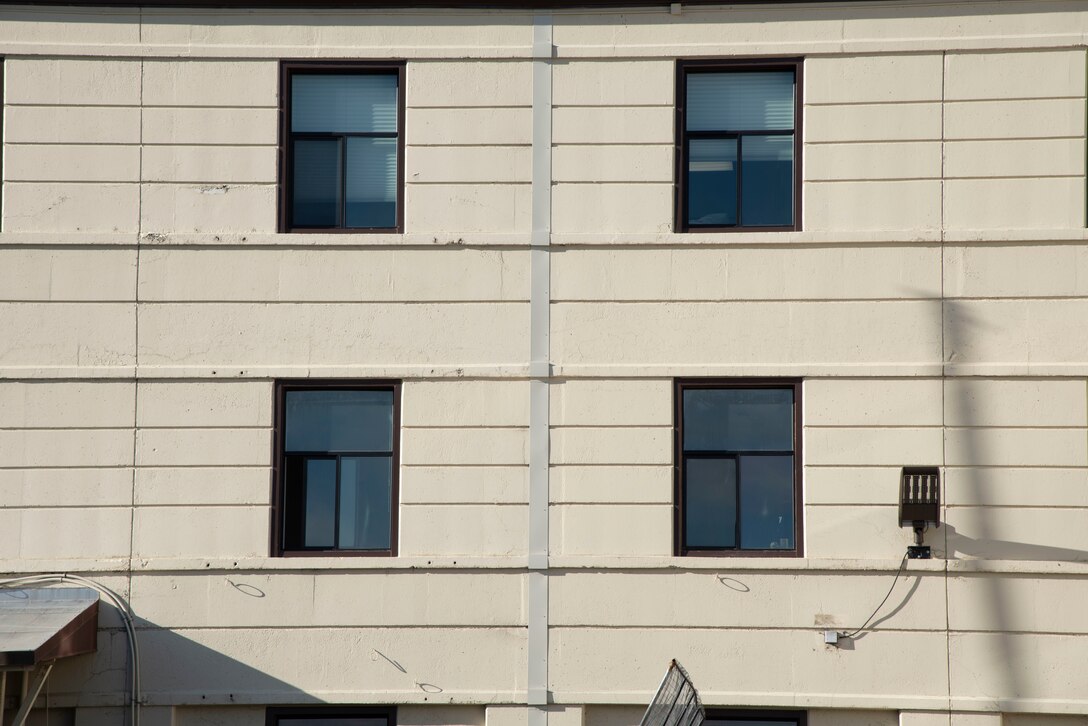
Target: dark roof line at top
pixel 404 4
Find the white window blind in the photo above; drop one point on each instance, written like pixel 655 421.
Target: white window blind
pixel 740 101
pixel 344 103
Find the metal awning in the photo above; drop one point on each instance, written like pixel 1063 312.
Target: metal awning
pixel 43 624
pixel 39 625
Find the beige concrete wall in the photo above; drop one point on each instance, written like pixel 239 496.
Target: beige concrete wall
pixel 934 303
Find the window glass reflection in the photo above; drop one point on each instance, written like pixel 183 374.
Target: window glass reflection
pixel 766 502
pixel 339 421
pixel 738 419
pixel 316 183
pixel 712 181
pixel 320 502
pixel 371 184
pixel 740 101
pixel 365 486
pixel 343 102
pixel 710 505
pixel 767 188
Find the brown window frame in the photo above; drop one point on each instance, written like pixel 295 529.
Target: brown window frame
pixel 680 200
pixel 275 713
pixel 682 384
pixel 286 141
pixel 3 135
pixel 278 509
pixel 800 718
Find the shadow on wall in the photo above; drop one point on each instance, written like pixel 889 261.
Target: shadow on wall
pixel 959 545
pixel 961 333
pixel 965 337
pixel 958 327
pixel 886 616
pixel 173 668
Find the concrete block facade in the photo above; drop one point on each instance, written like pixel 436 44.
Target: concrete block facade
pixel 932 302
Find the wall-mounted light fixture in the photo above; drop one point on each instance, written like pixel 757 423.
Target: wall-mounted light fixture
pixel 919 505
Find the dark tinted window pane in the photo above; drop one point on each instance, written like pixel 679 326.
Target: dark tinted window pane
pixel 320 503
pixel 738 419
pixel 712 182
pixel 339 421
pixel 335 721
pixel 710 502
pixel 740 101
pixel 365 487
pixel 371 182
pixel 344 103
pixel 294 500
pixel 766 502
pixel 745 722
pixel 316 183
pixel 767 180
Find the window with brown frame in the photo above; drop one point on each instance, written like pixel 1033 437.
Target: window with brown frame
pixel 331 716
pixel 1 134
pixel 738 467
pixel 341 146
pixel 754 717
pixel 738 139
pixel 337 457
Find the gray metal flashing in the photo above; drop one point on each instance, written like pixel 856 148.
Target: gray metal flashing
pixel 538 716
pixel 538 639
pixel 539 371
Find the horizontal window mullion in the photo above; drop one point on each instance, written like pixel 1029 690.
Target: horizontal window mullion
pixel 371 135
pixel 704 454
pixel 333 136
pixel 712 134
pixel 334 454
pixel 694 548
pixel 337 551
pixel 731 134
pixel 346 230
pixel 731 227
pixel 710 455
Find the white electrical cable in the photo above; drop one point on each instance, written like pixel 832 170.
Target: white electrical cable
pixel 127 617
